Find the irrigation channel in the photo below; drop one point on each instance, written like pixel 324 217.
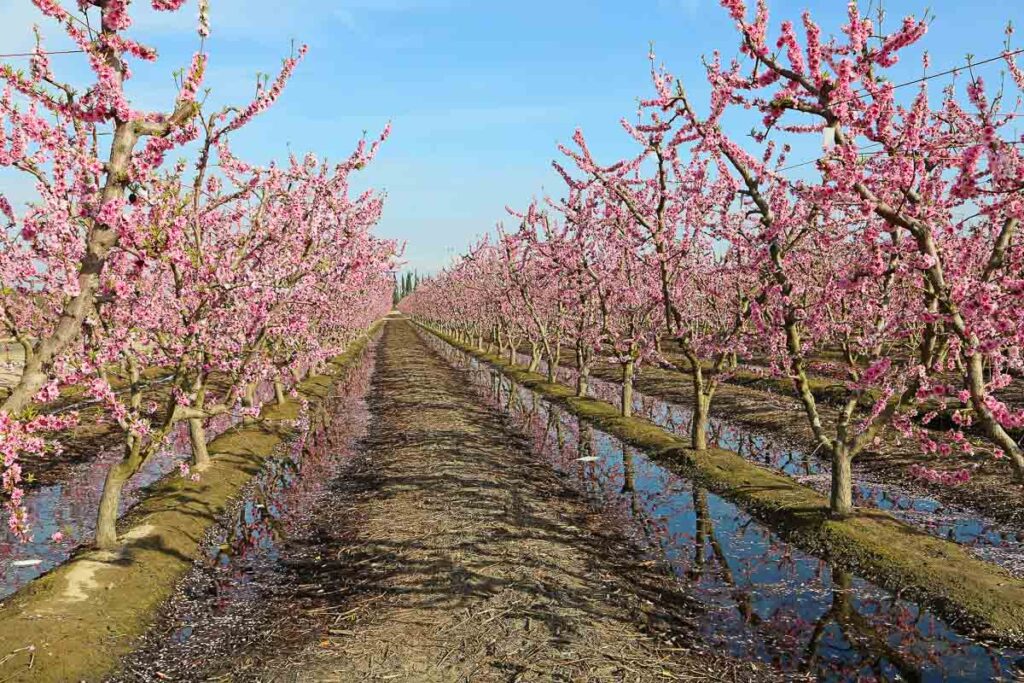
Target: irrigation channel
pixel 439 522
pixel 69 506
pixel 238 591
pixel 990 540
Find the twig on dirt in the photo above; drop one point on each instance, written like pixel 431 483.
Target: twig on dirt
pixel 31 661
pixel 447 654
pixel 496 616
pixel 11 655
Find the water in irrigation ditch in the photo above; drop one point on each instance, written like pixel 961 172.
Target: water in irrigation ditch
pixel 989 540
pixel 70 506
pixel 227 603
pixel 765 599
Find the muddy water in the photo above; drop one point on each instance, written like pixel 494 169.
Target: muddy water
pixel 766 599
pixel 228 602
pixel 69 507
pixel 984 537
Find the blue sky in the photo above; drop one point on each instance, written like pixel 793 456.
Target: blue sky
pixel 479 92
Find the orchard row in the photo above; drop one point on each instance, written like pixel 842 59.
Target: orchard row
pixel 892 265
pixel 212 275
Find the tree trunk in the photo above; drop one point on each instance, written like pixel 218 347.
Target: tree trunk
pixel 841 498
pixel 583 374
pixel 110 499
pixel 106 518
pixel 197 437
pixel 627 388
pixel 699 423
pixel 102 238
pixel 248 401
pixel 534 357
pixel 279 392
pixel 989 425
pixel 1017 461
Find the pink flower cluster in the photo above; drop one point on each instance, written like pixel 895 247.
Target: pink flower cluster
pixel 943 478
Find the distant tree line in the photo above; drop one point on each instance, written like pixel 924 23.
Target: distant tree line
pixel 405 284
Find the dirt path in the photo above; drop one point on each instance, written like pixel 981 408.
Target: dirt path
pixel 459 556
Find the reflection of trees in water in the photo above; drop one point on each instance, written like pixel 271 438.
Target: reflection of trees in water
pixel 506 394
pixel 514 399
pixel 585 446
pixel 749 445
pixel 865 644
pixel 557 440
pixel 257 524
pixel 289 481
pixel 532 409
pixel 559 434
pixel 705 538
pixel 860 634
pixel 655 535
pixel 807 623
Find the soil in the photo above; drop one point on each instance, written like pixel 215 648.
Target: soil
pixel 448 552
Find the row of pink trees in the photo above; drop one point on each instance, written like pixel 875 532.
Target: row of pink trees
pixel 896 253
pixel 221 274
